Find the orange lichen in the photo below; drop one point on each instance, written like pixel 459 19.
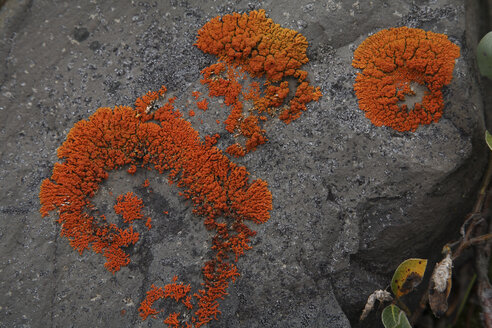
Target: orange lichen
pixel 211 140
pixel 196 94
pixel 144 103
pixel 148 223
pixel 203 105
pixel 254 44
pixel 252 92
pixel 227 86
pixel 176 291
pixel 132 169
pixel 236 150
pixel 391 60
pixel 160 139
pixel 172 320
pixel 129 207
pixel 191 113
pixel 153 295
pixel 274 97
pixel 305 93
pixel 157 137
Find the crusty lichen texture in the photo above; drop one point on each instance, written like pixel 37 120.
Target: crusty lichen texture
pixel 151 137
pixel 137 138
pixel 391 60
pixel 253 46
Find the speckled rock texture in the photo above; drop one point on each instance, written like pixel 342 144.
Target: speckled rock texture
pixel 350 200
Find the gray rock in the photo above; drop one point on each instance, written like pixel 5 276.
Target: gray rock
pixel 351 200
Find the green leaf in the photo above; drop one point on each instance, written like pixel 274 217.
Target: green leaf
pixel 484 55
pixel 488 139
pixel 393 317
pixel 407 276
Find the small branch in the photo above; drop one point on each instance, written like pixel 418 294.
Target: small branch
pixel 482 258
pixel 483 188
pixel 478 240
pixel 470 242
pixel 472 223
pixel 404 307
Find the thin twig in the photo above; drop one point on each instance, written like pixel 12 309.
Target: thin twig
pixel 479 239
pixel 482 258
pixel 475 218
pixel 483 189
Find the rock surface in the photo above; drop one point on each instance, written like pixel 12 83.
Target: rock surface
pixel 351 200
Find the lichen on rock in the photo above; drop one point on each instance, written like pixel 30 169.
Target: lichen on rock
pixel 391 60
pixel 252 45
pixel 162 140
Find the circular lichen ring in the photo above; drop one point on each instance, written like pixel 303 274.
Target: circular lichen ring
pixel 392 61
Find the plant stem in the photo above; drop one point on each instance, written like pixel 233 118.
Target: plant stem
pixel 482 258
pixel 483 188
